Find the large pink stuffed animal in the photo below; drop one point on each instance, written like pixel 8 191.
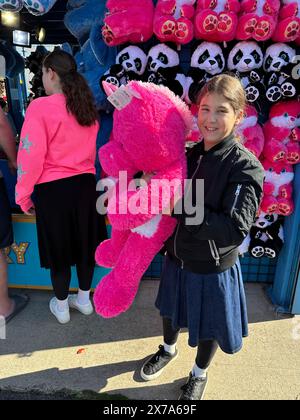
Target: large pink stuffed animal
pixel 288 27
pixel 148 135
pixel 173 21
pixel 258 19
pixel 216 20
pixel 282 133
pixel 251 132
pixel 128 21
pixel 278 188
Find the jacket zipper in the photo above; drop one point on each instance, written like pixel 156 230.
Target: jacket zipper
pixel 177 229
pixel 214 252
pixel 237 193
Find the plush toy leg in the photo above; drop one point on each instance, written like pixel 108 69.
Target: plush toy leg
pixel 108 251
pixel 257 248
pixel 293 153
pixel 116 291
pixel 269 204
pixel 11 5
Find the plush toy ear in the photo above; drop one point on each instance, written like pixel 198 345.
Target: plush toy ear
pixel 109 88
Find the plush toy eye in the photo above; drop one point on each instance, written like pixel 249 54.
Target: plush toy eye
pixel 138 63
pixel 271 170
pixel 124 57
pixel 286 115
pixel 284 56
pixel 283 171
pixel 269 62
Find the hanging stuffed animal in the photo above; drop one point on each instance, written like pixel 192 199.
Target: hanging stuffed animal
pixel 282 133
pixel 216 20
pixel 278 188
pixel 245 60
pixel 11 5
pixel 128 21
pixel 288 26
pixel 207 61
pixel 258 19
pixel 173 21
pixel 250 132
pixel 131 63
pixel 266 236
pixel 164 69
pixel 278 66
pixel 39 7
pixel 148 135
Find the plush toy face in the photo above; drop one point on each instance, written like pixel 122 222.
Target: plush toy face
pixel 279 173
pixel 152 128
pixel 132 59
pixel 264 220
pixel 285 114
pixel 208 57
pixel 277 56
pixel 162 56
pixel 245 56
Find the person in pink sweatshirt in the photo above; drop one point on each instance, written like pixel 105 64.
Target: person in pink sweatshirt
pixel 56 161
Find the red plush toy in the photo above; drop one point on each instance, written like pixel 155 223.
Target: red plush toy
pixel 288 27
pixel 173 21
pixel 282 133
pixel 258 19
pixel 250 132
pixel 216 20
pixel 278 188
pixel 128 21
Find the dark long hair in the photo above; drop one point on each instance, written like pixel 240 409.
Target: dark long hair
pixel 80 101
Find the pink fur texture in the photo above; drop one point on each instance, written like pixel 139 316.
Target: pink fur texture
pixel 288 27
pixel 148 135
pixel 128 21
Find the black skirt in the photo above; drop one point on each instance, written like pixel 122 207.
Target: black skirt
pixel 68 226
pixel 6 232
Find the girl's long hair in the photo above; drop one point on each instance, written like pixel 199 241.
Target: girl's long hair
pixel 79 98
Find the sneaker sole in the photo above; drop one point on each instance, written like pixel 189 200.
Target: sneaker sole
pixel 157 374
pixel 73 306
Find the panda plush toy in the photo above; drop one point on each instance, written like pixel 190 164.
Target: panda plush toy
pixel 278 67
pixel 207 61
pixel 131 63
pixel 245 60
pixel 266 236
pixel 163 69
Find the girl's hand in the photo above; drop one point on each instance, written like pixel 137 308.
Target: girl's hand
pixel 30 212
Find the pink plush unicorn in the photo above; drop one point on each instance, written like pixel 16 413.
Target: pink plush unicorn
pixel 148 135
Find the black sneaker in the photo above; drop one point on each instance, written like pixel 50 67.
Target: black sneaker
pixel 154 366
pixel 194 389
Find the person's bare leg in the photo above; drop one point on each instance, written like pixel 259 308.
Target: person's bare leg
pixel 6 304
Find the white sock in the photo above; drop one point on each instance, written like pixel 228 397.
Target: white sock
pixel 83 297
pixel 170 348
pixel 198 372
pixel 62 305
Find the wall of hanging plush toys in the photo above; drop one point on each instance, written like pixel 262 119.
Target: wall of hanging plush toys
pixel 258 41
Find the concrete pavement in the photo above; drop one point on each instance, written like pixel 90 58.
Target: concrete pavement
pixel 91 353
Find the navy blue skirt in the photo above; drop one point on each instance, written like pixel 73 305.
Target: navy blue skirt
pixel 211 306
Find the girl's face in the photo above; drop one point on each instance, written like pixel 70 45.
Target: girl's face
pixel 216 118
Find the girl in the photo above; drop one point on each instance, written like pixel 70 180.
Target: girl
pixel 57 160
pixel 201 286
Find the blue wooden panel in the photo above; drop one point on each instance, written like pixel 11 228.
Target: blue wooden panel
pixel 24 265
pixel 283 290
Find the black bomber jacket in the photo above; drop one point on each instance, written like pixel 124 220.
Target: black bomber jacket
pixel 233 185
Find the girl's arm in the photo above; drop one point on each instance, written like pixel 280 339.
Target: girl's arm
pixel 241 201
pixel 31 155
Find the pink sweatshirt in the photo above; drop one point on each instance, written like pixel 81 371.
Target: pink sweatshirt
pixel 53 146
